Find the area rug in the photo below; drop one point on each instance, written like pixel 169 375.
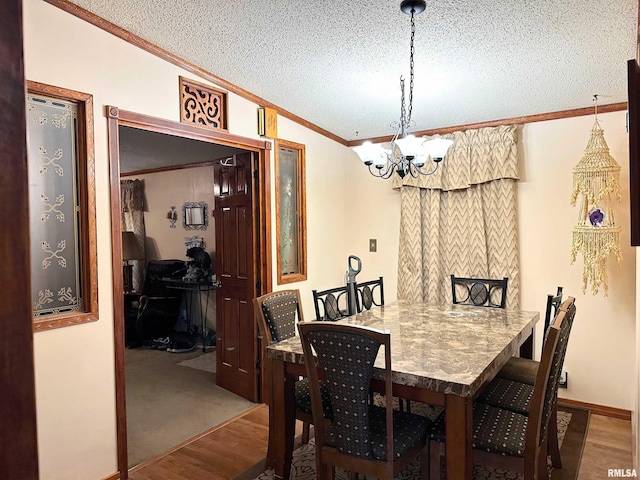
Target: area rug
pixel 206 362
pixel 572 431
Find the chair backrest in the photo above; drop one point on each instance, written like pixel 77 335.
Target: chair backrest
pixel 276 314
pixel 346 356
pixel 545 392
pixel 553 305
pixel 369 294
pixel 480 292
pixel 331 304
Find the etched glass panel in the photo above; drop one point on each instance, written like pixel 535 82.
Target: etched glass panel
pixel 288 188
pixel 52 135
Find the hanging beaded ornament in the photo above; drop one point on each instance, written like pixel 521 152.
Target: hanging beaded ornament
pixel 596 178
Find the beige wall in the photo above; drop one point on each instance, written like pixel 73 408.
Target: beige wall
pixel 345 208
pixel 175 187
pixel 601 355
pixel 75 365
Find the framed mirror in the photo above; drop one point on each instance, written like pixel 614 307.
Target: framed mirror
pixel 195 216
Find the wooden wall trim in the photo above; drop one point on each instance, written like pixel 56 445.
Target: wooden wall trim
pixel 113 139
pixel 542 117
pixel 167 169
pixel 139 42
pixel 19 457
pixel 170 127
pixel 115 118
pixel 113 476
pixel 596 409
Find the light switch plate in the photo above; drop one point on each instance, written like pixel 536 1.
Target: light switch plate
pixel 373 245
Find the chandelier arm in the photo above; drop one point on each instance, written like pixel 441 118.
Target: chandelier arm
pixel 430 172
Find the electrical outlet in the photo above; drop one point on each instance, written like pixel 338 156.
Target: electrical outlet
pixel 373 245
pixel 564 379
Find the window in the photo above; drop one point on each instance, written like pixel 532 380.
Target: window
pixel 291 212
pixel 61 206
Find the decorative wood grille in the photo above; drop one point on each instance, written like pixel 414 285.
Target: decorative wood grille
pixel 202 105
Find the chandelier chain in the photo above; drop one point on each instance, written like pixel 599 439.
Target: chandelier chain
pixel 413 34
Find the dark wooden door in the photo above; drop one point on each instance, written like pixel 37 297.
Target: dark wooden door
pixel 236 261
pixel 19 457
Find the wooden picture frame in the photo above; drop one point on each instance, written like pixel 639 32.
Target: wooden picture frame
pixel 291 212
pixel 81 304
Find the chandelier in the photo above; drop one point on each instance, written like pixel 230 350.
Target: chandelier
pixel 408 154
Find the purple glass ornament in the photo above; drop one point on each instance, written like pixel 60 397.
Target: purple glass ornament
pixel 596 216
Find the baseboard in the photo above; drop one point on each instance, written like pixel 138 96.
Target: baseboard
pixel 113 476
pixel 595 409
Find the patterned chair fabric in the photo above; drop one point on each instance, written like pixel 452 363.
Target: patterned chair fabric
pixel 345 354
pixel 369 294
pixel 331 304
pixel 507 394
pixel 505 432
pixel 479 292
pixel 494 430
pixel 276 315
pixel 280 310
pixel 524 370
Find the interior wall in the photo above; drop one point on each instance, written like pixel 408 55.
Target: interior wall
pixel 328 198
pixel 601 354
pixel 601 351
pixel 174 188
pixel 74 366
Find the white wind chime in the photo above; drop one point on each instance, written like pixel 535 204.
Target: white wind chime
pixel 596 179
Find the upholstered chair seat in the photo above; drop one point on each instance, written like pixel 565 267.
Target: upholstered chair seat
pixel 495 430
pixel 507 394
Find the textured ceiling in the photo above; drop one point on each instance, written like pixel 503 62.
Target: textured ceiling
pixel 337 64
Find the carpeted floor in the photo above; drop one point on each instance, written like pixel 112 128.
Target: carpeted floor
pixel 205 361
pixel 168 403
pixel 572 431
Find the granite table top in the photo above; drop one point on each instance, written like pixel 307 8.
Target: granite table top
pixel 451 349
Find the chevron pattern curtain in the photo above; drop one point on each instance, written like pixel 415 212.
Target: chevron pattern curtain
pixel 132 202
pixel 461 220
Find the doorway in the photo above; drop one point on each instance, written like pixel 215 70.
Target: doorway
pixel 261 265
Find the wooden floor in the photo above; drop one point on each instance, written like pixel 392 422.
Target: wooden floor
pixel 238 448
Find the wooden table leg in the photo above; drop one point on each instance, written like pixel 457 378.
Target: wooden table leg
pixel 282 420
pixel 527 347
pixel 459 436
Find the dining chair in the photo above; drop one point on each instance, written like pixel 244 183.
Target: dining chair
pixel 331 304
pixel 276 315
pixel 479 292
pixel 369 294
pixel 516 395
pixel 524 369
pixel 361 437
pixel 511 440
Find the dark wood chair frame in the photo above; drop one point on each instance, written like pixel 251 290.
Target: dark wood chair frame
pixel 534 463
pixel 525 370
pixel 479 288
pixel 327 458
pixel 265 338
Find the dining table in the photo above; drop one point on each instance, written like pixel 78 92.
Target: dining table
pixel 442 355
